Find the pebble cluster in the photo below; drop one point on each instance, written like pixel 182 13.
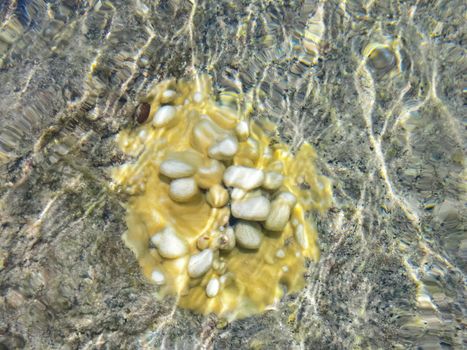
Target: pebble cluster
pixel 217 208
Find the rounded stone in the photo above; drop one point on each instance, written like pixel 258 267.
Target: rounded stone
pixel 382 59
pixel 278 216
pixel 212 288
pixel 183 190
pixel 169 245
pixel 288 198
pixel 300 236
pixel 158 277
pixel 217 196
pixel 200 263
pixel 225 149
pixel 272 180
pixel 168 96
pixel 227 239
pixel 237 193
pixel 248 235
pixel 176 169
pixel 164 116
pixel 254 208
pixel 242 130
pixel 243 177
pixel 210 174
pixel 142 112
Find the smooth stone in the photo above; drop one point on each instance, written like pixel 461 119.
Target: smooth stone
pixel 205 133
pixel 176 169
pixel 243 177
pixel 250 150
pixel 382 59
pixel 217 196
pixel 182 190
pixel 158 277
pixel 267 153
pixel 248 234
pixel 227 239
pixel 168 96
pixel 224 117
pixel 280 254
pixel 278 216
pixel 242 130
pixel 276 166
pixel 200 263
pixel 223 216
pixel 288 198
pixel 164 116
pixel 197 97
pixel 254 208
pixel 212 287
pixel 142 112
pixel 300 236
pixel 203 242
pixel 272 180
pixel 225 149
pixel 237 193
pixel 169 244
pixel 210 174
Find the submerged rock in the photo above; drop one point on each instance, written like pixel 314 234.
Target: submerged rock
pixel 200 263
pixel 164 116
pixel 243 177
pixel 254 208
pixel 182 190
pixel 248 234
pixel 169 244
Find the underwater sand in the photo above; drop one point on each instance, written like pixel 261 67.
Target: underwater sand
pixel 375 87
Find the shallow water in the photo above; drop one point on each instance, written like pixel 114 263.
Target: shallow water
pixel 376 87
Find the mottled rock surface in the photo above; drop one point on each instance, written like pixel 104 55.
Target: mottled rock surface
pixel 386 126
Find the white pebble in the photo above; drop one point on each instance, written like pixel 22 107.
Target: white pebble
pixel 273 180
pixel 285 268
pixel 243 130
pixel 225 149
pixel 169 244
pixel 143 134
pixel 254 208
pixel 280 254
pixel 300 236
pixel 210 174
pixel 248 234
pixel 168 96
pixel 200 263
pixel 278 216
pixel 217 196
pixel 244 177
pixel 164 116
pixel 205 133
pixel 227 239
pixel 237 193
pixel 212 287
pixel 182 190
pixel 267 152
pixel 158 277
pixel 197 97
pixel 288 197
pixel 176 169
